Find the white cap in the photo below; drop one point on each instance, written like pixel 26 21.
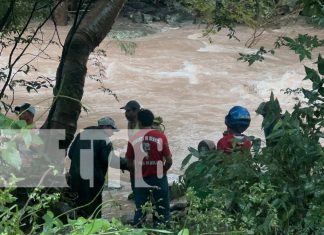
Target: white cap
pixel 25 107
pixel 107 121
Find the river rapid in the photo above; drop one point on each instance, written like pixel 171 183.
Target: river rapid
pixel 181 76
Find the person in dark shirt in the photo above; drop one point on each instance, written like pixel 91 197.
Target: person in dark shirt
pixel 87 173
pixel 272 114
pixel 131 108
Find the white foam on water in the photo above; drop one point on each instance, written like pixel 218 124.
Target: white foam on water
pixel 290 79
pixel 221 73
pixel 218 48
pixel 167 28
pixel 215 48
pixel 111 67
pixel 189 71
pixel 241 93
pixel 118 67
pixel 195 36
pixel 271 57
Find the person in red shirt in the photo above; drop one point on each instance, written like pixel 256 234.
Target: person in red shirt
pixel 237 121
pixel 149 158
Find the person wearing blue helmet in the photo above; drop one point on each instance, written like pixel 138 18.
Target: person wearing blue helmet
pixel 237 121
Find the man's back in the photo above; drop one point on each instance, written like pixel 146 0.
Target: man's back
pixel 233 142
pixel 100 152
pixel 82 170
pixel 148 148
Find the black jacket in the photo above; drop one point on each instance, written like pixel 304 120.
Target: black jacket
pixel 101 149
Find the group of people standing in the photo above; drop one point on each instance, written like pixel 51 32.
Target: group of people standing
pixel 148 158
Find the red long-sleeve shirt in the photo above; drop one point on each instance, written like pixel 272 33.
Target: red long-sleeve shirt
pixel 231 142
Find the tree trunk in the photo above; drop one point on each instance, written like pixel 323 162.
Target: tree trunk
pixel 5 20
pixel 74 5
pixel 61 13
pixel 70 76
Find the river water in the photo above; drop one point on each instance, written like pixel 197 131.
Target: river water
pixel 181 76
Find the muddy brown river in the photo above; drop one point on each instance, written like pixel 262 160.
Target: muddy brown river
pixel 181 76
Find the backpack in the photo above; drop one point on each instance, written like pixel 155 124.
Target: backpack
pixel 157 124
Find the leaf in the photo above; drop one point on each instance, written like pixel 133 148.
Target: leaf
pixel 256 145
pixel 251 58
pixel 27 69
pixel 321 91
pixel 26 135
pixel 276 134
pixel 199 168
pixel 194 152
pixel 312 75
pixel 5 122
pixel 320 64
pixel 301 56
pixel 21 124
pixel 288 39
pixel 309 95
pixel 127 47
pixel 185 161
pixel 11 155
pixel 321 135
pixel 184 231
pixel 48 225
pixel 95 226
pixel 80 221
pixel 308 54
pixel 157 231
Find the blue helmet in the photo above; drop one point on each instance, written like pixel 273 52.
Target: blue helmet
pixel 238 119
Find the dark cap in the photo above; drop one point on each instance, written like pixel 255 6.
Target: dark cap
pixel 133 104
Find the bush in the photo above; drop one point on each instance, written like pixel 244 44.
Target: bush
pixel 277 191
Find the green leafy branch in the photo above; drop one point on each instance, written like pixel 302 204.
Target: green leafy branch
pixel 251 58
pixel 302 45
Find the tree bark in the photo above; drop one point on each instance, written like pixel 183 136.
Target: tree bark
pixel 61 13
pixel 74 5
pixel 71 73
pixel 6 17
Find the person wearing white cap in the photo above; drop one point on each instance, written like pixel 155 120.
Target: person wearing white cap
pixel 107 123
pixel 88 195
pixel 26 112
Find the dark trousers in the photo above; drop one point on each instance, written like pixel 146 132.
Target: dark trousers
pixel 87 195
pixel 160 195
